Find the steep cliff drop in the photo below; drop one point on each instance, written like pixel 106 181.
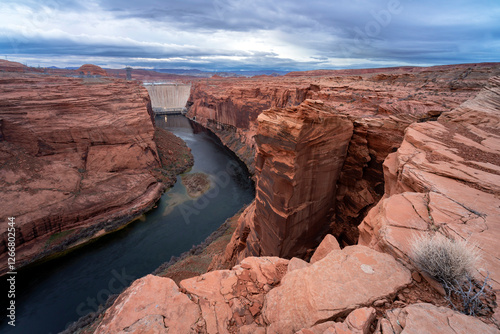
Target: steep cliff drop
pixel 380 103
pixel 300 152
pixel 78 156
pixel 445 179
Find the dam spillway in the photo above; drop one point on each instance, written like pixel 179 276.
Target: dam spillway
pixel 168 98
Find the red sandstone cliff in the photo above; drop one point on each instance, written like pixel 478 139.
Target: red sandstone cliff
pixel 300 152
pixel 76 156
pixel 445 178
pixel 380 106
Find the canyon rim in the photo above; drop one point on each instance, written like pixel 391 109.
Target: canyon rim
pixel 249 167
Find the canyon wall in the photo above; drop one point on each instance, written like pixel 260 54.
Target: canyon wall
pixel 77 153
pixel 380 105
pixel 444 179
pixel 300 152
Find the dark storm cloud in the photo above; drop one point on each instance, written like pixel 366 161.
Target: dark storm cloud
pixel 299 34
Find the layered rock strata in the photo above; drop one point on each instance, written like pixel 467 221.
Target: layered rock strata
pixel 381 104
pixel 77 156
pixel 300 152
pixel 445 179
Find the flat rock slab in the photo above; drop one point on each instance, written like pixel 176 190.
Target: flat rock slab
pixel 429 319
pixel 342 281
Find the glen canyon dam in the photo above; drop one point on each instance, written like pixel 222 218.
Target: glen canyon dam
pixel 234 167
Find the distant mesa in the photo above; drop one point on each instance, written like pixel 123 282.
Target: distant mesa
pixel 11 66
pixel 92 69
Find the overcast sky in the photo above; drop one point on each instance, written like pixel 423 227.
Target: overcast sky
pixel 249 34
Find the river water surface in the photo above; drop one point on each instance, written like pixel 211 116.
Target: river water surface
pixel 52 295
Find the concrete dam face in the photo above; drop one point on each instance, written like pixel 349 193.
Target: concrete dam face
pixel 167 98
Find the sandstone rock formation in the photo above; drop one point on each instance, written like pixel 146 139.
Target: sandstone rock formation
pixel 380 106
pixel 328 244
pixel 151 305
pixel 90 69
pixel 216 302
pixel 77 157
pixel 444 179
pixel 300 152
pixel 11 66
pixel 259 296
pixel 342 281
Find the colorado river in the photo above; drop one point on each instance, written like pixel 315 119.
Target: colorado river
pixel 56 293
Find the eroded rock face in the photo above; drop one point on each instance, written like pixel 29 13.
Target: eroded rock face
pixel 444 179
pixel 76 153
pixel 300 152
pixel 342 281
pixel 381 104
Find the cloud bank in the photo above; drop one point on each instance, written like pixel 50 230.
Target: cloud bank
pixel 249 34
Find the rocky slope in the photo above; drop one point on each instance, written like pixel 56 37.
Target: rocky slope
pixel 445 178
pixel 77 156
pixel 338 293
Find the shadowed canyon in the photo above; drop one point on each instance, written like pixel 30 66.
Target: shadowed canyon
pixel 349 167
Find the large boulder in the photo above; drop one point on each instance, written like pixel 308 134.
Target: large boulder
pixel 153 303
pixel 339 283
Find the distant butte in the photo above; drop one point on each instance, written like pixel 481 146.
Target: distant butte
pixel 92 70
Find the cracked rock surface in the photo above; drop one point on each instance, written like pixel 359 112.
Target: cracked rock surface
pixel 445 178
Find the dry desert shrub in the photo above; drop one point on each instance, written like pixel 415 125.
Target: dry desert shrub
pixel 445 259
pixel 452 263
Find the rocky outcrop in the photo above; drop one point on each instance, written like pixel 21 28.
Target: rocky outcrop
pixel 151 311
pixel 261 296
pixel 342 281
pixel 90 69
pixel 380 106
pixel 217 302
pixel 11 66
pixel 77 157
pixel 444 179
pixel 300 152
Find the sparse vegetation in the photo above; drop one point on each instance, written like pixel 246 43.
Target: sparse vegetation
pixel 468 296
pixel 452 263
pixel 444 259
